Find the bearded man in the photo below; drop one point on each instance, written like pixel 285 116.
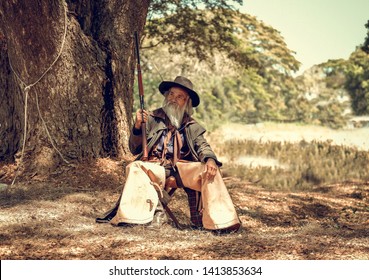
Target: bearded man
pixel 177 150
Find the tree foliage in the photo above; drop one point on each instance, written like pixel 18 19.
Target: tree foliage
pixel 328 101
pixel 190 24
pixel 244 69
pixel 357 84
pixel 249 80
pixel 365 46
pixel 352 76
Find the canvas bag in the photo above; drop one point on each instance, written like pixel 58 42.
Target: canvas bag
pixel 139 198
pixel 218 211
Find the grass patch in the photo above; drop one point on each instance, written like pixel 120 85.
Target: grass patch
pixel 301 165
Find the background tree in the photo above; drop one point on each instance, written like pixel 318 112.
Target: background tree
pixel 365 46
pixel 357 83
pixel 323 87
pixel 351 77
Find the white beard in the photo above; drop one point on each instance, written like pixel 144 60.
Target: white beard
pixel 174 113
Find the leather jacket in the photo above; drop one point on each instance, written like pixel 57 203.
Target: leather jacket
pixel 194 135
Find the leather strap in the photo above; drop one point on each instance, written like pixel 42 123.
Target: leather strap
pixel 157 184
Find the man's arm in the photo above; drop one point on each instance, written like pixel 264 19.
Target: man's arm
pixel 135 139
pixel 207 156
pixel 204 150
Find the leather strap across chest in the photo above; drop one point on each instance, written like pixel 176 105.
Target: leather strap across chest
pixel 177 145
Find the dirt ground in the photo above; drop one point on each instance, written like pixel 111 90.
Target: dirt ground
pixel 54 218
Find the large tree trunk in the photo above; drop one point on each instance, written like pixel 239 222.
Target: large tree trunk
pixel 86 97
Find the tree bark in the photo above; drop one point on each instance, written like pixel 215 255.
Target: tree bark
pixel 86 97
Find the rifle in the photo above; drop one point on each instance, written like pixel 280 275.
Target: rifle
pixel 142 103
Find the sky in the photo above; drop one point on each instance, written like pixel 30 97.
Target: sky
pixel 317 30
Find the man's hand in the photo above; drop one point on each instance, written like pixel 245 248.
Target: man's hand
pixel 211 169
pixel 139 118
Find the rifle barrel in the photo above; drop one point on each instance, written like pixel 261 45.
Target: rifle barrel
pixel 137 48
pixel 142 102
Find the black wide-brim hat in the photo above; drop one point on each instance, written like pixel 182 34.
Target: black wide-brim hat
pixel 184 83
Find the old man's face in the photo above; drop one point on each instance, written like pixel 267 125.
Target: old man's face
pixel 175 105
pixel 178 96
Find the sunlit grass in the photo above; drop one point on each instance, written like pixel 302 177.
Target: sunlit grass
pixel 301 165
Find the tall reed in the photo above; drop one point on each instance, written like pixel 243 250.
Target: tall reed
pixel 300 165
